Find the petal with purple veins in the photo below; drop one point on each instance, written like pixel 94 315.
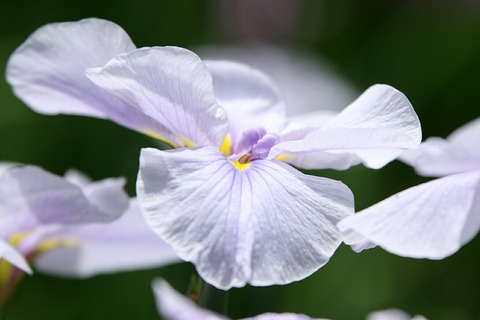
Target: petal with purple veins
pixel 265 223
pixel 170 85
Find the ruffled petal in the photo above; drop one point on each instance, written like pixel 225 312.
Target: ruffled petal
pixel 123 245
pixel 371 128
pixel 31 196
pixel 172 86
pixel 265 223
pixel 432 220
pixel 173 306
pixel 11 255
pixel 248 96
pixel 48 72
pixel 438 157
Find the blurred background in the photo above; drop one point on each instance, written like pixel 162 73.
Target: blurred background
pixel 322 54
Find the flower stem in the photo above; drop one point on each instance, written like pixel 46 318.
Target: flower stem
pixel 207 296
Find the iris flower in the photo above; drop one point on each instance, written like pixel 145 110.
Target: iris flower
pixel 66 227
pixel 223 199
pixel 434 219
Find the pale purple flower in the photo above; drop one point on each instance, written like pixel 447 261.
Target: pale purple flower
pixel 224 200
pixel 173 306
pixel 71 226
pixel 434 219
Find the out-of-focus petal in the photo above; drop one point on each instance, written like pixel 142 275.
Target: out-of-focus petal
pixel 173 306
pixel 77 177
pixel 172 86
pixel 432 220
pixel 438 157
pixel 11 255
pixel 248 96
pixel 371 128
pixel 107 195
pixel 31 195
pixel 123 245
pixel 4 166
pixel 282 316
pixel 307 83
pixel 392 314
pixel 268 224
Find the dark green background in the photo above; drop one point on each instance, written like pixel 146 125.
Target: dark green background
pixel 429 51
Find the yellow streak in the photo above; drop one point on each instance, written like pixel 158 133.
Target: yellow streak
pixel 240 166
pixel 226 146
pixel 161 138
pixel 186 143
pixel 283 157
pixel 6 268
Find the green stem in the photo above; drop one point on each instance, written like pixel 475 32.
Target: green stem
pixel 207 296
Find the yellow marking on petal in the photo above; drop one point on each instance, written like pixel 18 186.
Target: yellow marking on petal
pixel 18 237
pixel 241 166
pixel 226 147
pixel 283 157
pixel 50 244
pixel 161 138
pixel 187 143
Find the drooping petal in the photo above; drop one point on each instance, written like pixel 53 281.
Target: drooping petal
pixel 123 245
pixel 439 157
pixel 173 306
pixel 248 96
pixel 371 128
pixel 172 86
pixel 29 195
pixel 392 314
pixel 48 72
pixel 11 255
pixel 263 224
pixel 432 220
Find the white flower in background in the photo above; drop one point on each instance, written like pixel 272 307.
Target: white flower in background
pixel 223 200
pixel 434 219
pixel 392 314
pixel 173 306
